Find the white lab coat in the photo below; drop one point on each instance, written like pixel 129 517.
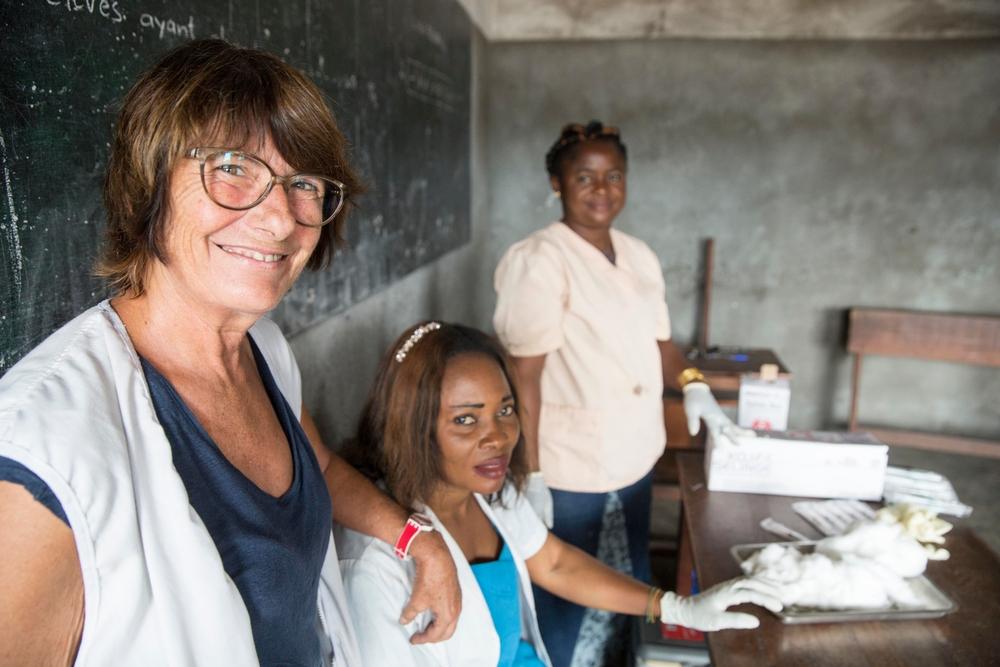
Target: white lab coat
pixel 378 586
pixel 78 413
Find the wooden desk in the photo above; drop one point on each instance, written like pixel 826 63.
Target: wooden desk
pixel 969 636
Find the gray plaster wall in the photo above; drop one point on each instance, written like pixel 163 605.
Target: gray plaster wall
pixel 831 174
pixel 732 19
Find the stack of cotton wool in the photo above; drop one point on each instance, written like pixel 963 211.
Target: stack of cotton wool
pixel 865 568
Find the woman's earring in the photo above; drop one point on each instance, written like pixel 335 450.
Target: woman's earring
pixel 551 199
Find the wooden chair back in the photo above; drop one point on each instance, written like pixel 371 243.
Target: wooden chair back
pixel 968 339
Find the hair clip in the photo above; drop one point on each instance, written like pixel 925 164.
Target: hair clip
pixel 592 130
pixel 414 338
pixel 576 132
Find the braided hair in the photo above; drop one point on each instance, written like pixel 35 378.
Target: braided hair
pixel 573 136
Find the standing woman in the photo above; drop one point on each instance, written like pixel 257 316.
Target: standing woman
pixel 581 308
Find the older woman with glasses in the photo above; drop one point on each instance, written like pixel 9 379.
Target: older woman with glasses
pixel 164 495
pixel 581 307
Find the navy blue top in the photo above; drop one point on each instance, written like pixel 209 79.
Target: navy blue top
pixel 12 471
pixel 272 547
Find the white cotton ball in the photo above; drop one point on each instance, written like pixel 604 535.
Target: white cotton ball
pixel 773 557
pixel 863 539
pixel 840 585
pixel 883 543
pixel 862 569
pixel 907 558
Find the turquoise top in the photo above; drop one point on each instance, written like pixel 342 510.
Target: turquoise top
pixel 500 585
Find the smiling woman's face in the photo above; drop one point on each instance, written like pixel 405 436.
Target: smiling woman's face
pixel 230 262
pixel 477 426
pixel 592 185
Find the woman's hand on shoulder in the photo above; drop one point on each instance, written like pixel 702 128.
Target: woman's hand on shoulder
pixel 435 588
pixel 41 585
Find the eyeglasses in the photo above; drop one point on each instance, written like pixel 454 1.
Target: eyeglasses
pixel 239 181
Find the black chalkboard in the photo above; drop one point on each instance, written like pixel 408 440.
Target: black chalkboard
pixel 397 72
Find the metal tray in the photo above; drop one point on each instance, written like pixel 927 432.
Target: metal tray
pixel 937 603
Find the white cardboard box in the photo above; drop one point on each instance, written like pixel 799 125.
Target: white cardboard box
pixel 763 403
pixel 788 467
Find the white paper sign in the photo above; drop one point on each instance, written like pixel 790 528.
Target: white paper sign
pixel 764 404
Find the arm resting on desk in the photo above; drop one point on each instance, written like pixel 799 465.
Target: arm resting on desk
pixel 574 575
pixel 571 574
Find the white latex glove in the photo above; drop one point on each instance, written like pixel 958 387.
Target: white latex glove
pixel 539 497
pixel 921 524
pixel 918 522
pixel 699 405
pixel 707 611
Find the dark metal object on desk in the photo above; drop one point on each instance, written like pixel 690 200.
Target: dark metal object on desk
pixel 723 366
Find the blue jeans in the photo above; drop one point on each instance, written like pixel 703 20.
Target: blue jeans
pixel 616 524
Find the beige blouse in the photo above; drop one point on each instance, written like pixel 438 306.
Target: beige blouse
pixel 601 424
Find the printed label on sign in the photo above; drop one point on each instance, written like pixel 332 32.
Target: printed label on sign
pixel 764 404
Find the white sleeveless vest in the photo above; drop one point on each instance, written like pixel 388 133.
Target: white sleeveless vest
pixel 78 413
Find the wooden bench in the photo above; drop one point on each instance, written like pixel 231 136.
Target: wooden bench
pixel 969 339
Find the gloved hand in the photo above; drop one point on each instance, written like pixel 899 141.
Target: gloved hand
pixel 707 611
pixel 539 497
pixel 699 404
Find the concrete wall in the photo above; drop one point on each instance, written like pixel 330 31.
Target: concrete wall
pixel 832 174
pixel 547 20
pixel 338 357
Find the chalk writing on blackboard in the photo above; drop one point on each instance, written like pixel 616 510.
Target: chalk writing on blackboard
pixel 168 26
pixel 11 236
pixel 106 8
pixel 432 34
pixel 397 73
pixel 428 84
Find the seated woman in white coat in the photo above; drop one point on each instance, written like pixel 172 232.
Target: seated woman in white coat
pixel 441 431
